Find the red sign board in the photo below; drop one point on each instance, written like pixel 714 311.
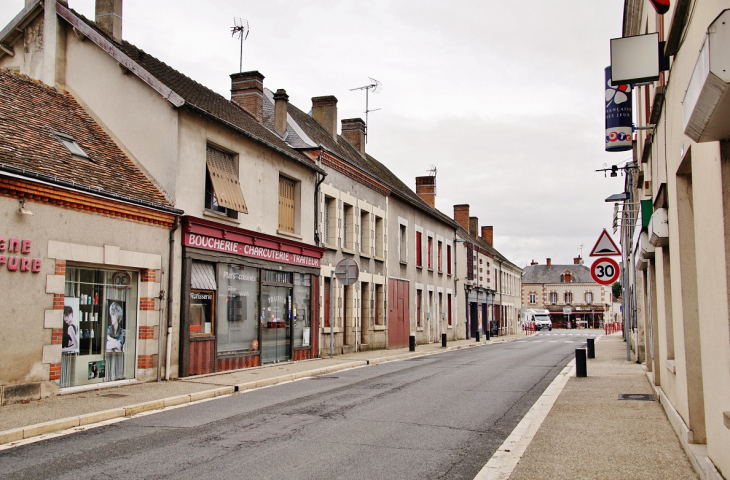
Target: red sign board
pixel 605 271
pixel 246 250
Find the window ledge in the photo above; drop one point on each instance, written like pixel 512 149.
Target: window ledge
pixel 419 267
pixel 220 217
pixel 449 326
pixel 430 270
pixel 671 366
pixel 419 329
pixel 441 272
pixel 378 327
pixel 289 235
pixel 326 330
pixel 347 250
pixel 365 255
pixel 379 259
pixel 403 263
pixel 330 246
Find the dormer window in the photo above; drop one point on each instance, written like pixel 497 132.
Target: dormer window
pixel 70 143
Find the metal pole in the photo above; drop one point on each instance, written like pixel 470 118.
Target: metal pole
pixel 332 313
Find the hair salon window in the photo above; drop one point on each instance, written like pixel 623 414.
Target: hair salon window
pixel 302 310
pixel 99 326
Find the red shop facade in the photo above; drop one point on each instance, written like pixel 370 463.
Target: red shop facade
pixel 247 299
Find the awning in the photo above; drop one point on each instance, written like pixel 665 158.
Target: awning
pixel 202 277
pixel 225 181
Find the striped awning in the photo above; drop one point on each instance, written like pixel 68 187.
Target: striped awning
pixel 224 178
pixel 202 277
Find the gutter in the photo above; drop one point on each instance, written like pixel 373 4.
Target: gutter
pixel 170 265
pixel 316 204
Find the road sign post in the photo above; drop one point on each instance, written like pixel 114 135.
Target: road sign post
pixel 347 272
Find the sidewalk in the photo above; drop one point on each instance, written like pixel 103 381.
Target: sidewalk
pixel 590 433
pixel 62 412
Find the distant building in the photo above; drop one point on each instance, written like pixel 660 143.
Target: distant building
pixel 560 287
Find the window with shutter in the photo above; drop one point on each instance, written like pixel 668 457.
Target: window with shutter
pixel 419 258
pixel 222 189
pixel 286 204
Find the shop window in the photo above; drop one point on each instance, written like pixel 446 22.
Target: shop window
pixel 302 310
pixel 419 256
pixel 223 193
pixel 379 237
pixel 203 287
pixel 287 205
pixel 236 313
pixel 100 326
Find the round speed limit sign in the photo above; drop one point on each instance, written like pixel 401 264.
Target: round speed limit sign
pixel 605 271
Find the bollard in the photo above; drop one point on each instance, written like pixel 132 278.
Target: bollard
pixel 477 336
pixel 443 340
pixel 580 363
pixel 591 348
pixel 487 333
pixel 412 343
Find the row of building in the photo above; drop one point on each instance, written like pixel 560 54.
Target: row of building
pixel 675 224
pixel 152 228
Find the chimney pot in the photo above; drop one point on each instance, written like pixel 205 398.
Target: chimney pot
pixel 474 225
pixel 247 91
pixel 324 112
pixel 281 99
pixel 549 263
pixel 488 234
pixel 108 17
pixel 353 129
pixel 533 262
pixel 426 189
pixel 461 215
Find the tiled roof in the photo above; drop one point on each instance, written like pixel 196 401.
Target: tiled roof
pixel 542 274
pixel 31 113
pixel 202 98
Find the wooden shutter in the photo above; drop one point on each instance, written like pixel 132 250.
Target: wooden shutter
pixel 224 178
pixel 419 260
pixel 286 205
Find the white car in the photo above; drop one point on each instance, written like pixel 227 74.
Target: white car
pixel 542 322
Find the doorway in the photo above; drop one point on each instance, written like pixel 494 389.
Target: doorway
pixel 276 302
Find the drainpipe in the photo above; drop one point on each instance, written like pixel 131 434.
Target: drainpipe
pixel 159 327
pixel 316 201
pixel 170 264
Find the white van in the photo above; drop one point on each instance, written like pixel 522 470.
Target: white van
pixel 540 317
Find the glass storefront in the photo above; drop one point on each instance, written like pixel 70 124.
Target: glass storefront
pixel 100 326
pixel 238 288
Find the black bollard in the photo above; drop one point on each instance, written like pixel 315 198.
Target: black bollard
pixel 486 332
pixel 476 336
pixel 591 348
pixel 580 363
pixel 412 343
pixel 443 339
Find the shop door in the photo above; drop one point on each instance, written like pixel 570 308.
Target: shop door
pixel 276 302
pixel 474 318
pixel 398 314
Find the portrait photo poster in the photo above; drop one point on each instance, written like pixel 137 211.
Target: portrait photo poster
pixel 73 304
pixel 116 335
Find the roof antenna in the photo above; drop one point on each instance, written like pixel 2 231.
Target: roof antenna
pixel 376 87
pixel 432 170
pixel 241 29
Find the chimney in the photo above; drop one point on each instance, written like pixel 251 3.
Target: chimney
pixel 353 129
pixel 109 18
pixel 533 262
pixel 281 99
pixel 577 260
pixel 474 226
pixel 461 215
pixel 426 189
pixel 549 263
pixel 324 111
pixel 247 91
pixel 488 234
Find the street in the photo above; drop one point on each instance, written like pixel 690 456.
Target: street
pixel 436 416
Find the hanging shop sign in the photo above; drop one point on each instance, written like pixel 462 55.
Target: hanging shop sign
pixel 15 256
pixel 618 115
pixel 246 250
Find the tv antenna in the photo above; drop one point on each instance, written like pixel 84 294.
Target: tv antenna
pixel 432 170
pixel 240 28
pixel 375 87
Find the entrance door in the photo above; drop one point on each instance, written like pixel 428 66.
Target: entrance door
pixel 276 328
pixel 398 313
pixel 474 318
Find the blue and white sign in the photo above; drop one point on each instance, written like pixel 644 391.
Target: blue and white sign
pixel 618 115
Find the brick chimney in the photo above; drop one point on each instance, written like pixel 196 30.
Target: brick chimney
pixel 247 91
pixel 474 226
pixel 426 189
pixel 533 262
pixel 461 215
pixel 488 234
pixel 109 18
pixel 281 99
pixel 549 263
pixel 324 111
pixel 353 129
pixel 577 260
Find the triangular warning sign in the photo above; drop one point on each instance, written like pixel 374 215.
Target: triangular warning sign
pixel 605 246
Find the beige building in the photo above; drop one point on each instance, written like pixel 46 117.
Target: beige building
pixel 675 226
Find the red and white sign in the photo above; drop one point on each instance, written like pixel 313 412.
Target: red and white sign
pixel 229 246
pixel 605 247
pixel 605 271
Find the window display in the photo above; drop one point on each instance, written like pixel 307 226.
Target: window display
pixel 237 318
pixel 99 315
pixel 201 312
pixel 302 309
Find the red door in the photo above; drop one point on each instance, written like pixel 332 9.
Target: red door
pixel 398 314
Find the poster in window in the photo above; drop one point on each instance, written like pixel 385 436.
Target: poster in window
pixel 71 315
pixel 116 330
pixel 97 369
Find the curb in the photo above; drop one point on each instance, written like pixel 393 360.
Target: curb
pixel 23 433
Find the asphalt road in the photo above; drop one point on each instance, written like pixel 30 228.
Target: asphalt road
pixel 437 416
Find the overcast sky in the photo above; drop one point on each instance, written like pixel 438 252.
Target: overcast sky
pixel 505 98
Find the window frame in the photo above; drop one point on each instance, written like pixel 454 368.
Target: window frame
pixel 429 255
pixel 532 298
pixel 419 252
pixel 287 207
pixel 448 259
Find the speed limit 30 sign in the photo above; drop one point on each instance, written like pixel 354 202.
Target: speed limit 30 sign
pixel 605 271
